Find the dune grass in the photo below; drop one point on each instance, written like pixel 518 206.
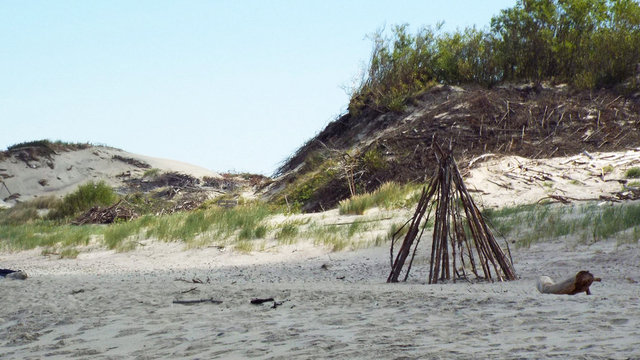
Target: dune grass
pixel 588 223
pixel 22 228
pixel 633 173
pixel 389 196
pixel 208 226
pixel 28 211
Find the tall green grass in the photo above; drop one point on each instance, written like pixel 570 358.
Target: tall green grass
pixel 389 195
pixel 633 173
pixel 239 227
pixel 45 234
pixel 207 226
pixel 214 224
pixel 24 212
pixel 588 223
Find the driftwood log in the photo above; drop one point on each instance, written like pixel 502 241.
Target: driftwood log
pixel 570 286
pixel 198 301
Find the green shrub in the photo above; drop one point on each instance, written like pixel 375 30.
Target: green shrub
pixel 373 161
pixel 84 198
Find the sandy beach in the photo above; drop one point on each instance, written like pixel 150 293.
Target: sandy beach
pixel 105 305
pixel 334 305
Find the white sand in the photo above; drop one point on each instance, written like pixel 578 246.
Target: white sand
pixel 107 305
pixel 119 306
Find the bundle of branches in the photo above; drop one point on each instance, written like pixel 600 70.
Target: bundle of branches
pixel 177 180
pixel 101 215
pixel 172 179
pixel 460 233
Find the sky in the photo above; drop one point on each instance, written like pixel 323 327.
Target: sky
pixel 226 85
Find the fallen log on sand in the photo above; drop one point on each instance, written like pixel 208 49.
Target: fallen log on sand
pixel 13 274
pixel 571 286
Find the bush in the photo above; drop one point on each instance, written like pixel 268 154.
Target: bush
pixel 83 199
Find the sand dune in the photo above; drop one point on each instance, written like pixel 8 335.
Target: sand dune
pixel 62 172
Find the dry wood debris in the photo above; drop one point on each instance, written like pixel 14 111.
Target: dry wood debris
pixel 102 215
pixel 462 241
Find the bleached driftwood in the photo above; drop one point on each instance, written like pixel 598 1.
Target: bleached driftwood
pixel 570 286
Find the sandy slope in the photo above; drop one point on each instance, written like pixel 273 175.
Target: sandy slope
pixel 64 171
pixel 107 305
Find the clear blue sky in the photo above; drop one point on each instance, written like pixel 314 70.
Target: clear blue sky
pixel 226 85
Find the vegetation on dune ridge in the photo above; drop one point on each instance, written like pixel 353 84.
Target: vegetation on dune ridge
pixel 57 145
pixel 587 44
pixel 454 87
pixel 39 148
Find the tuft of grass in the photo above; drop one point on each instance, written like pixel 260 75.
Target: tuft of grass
pixel 244 246
pixel 69 253
pixel 19 214
pixel 608 169
pixel 389 195
pixel 287 233
pixel 340 236
pixel 217 223
pixel 308 187
pixel 633 173
pixel 398 230
pixel 45 234
pixel 117 234
pixel 260 232
pixel 372 161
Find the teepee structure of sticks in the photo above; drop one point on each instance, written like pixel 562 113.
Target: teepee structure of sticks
pixel 462 244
